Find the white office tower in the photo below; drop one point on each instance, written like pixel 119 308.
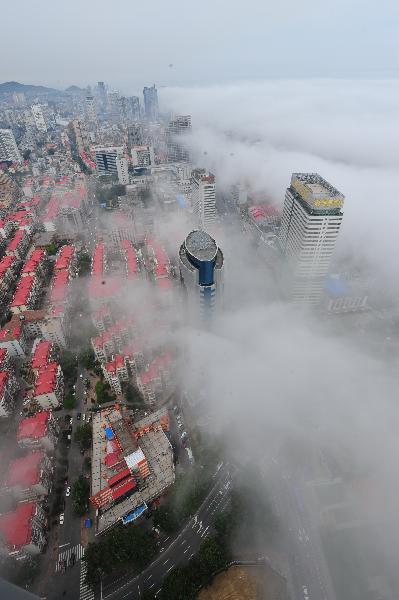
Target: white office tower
pixel 122 169
pixel 8 147
pixel 38 117
pixel 143 156
pixel 91 114
pixel 178 127
pixel 309 228
pixel 201 272
pixel 203 197
pixel 106 159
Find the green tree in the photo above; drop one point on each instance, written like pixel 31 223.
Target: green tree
pixel 87 358
pixel 132 394
pixel 80 495
pixel 83 435
pixel 103 392
pixel 124 546
pixel 178 585
pixel 68 365
pixel 52 248
pixel 69 402
pixel 84 262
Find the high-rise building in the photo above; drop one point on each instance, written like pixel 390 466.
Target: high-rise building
pixel 107 159
pixel 8 146
pixel 136 135
pixel 122 168
pixel 151 103
pixel 203 197
pixel 91 109
pixel 309 228
pixel 114 105
pixel 38 117
pixel 201 267
pixel 135 107
pixel 102 94
pixel 179 126
pixel 79 135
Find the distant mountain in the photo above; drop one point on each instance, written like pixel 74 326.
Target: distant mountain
pixel 74 88
pixel 9 87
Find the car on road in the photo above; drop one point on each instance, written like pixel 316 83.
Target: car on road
pixel 79 416
pixel 62 518
pixel 81 375
pixel 68 491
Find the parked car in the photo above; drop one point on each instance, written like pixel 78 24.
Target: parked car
pixel 68 491
pixel 84 417
pixel 62 518
pixel 78 416
pixel 71 420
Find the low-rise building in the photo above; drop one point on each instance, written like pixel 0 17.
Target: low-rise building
pixel 66 260
pixel 155 380
pixel 115 371
pixel 30 477
pixel 22 531
pixel 48 390
pixel 8 277
pixel 26 294
pixel 343 295
pixel 19 244
pixel 132 464
pixel 130 256
pixel 14 338
pixel 60 289
pixel 39 431
pixel 36 264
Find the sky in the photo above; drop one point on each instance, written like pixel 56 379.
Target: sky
pixel 129 44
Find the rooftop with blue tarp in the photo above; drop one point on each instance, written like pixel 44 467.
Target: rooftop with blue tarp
pixel 181 200
pixel 109 433
pixel 336 286
pixel 134 514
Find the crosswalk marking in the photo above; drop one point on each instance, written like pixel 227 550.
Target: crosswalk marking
pixel 85 592
pixel 66 555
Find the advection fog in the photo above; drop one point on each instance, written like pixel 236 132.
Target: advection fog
pixel 267 375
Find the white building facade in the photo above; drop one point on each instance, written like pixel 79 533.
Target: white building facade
pixel 8 147
pixel 203 197
pixel 310 225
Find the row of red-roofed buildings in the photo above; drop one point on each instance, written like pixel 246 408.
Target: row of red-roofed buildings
pixel 46 377
pixel 27 482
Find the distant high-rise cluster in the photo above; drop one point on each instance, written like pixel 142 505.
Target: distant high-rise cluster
pixel 310 224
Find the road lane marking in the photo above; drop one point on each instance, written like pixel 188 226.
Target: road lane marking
pixel 170 568
pixel 186 550
pixel 166 561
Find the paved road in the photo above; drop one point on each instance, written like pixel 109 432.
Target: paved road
pixel 309 573
pixel 175 550
pixel 70 531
